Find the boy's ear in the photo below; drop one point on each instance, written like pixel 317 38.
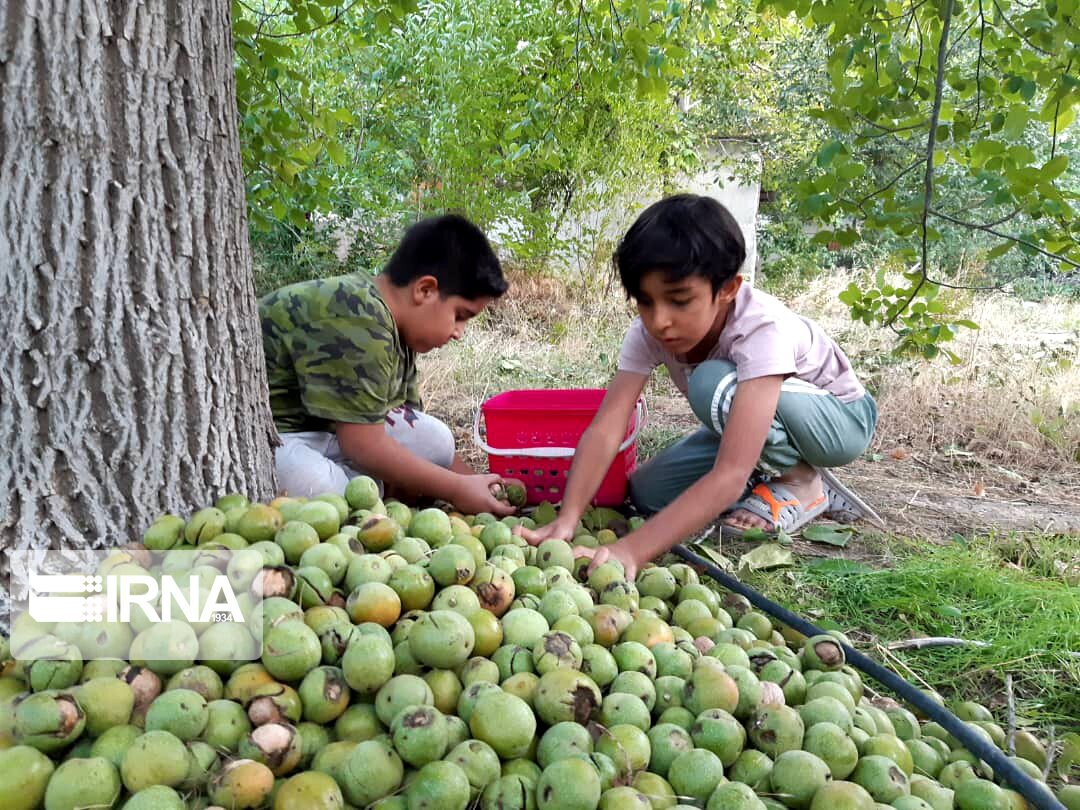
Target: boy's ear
pixel 730 288
pixel 424 288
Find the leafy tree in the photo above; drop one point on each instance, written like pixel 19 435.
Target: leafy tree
pixel 947 116
pixel 919 128
pixel 504 109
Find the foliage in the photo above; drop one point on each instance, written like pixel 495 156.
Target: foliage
pixel 947 118
pixel 931 136
pixel 512 112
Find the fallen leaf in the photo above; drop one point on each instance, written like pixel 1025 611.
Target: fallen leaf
pixel 714 556
pixel 754 533
pixel 827 534
pixel 954 451
pixel 899 453
pixel 765 556
pixel 1012 475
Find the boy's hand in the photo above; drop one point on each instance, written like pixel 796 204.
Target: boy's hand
pixel 559 529
pixel 473 495
pixel 621 551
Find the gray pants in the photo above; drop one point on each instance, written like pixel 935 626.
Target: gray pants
pixel 311 463
pixel 810 425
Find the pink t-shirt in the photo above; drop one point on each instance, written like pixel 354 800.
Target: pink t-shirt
pixel 762 337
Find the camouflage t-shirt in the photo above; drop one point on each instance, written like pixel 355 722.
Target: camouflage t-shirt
pixel 333 354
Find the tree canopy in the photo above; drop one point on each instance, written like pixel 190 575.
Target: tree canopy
pixel 922 129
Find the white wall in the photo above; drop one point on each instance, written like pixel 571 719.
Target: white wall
pixel 589 237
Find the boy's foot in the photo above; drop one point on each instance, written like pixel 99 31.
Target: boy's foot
pixel 788 502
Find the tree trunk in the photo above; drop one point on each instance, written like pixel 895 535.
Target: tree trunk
pixel 131 365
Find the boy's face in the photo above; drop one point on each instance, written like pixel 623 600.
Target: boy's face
pixel 435 320
pixel 681 314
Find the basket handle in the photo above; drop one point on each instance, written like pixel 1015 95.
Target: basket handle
pixel 555 452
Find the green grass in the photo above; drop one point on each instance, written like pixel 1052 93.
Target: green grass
pixel 1011 593
pixel 655 438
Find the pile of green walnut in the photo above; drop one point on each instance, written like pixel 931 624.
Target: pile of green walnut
pixel 432 661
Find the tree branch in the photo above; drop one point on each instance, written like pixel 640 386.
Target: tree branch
pixel 960 37
pixel 889 130
pixel 1057 114
pixel 338 13
pixel 1000 221
pixel 618 20
pixel 911 10
pixel 892 182
pixel 931 143
pixel 975 226
pixel 918 62
pixel 978 65
pixel 934 641
pixel 1017 31
pixel 973 287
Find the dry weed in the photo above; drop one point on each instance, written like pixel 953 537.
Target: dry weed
pixel 1010 409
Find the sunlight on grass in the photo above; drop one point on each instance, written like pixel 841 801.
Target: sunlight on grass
pixel 969 590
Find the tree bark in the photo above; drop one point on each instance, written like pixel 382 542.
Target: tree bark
pixel 132 377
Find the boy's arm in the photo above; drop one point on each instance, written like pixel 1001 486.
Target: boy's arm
pixel 598 446
pixel 747 427
pixel 371 449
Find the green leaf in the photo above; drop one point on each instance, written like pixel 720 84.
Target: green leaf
pixel 754 533
pixel 1015 121
pixel 712 555
pixel 820 533
pixel 1053 168
pixel 828 152
pixel 337 152
pixel 1000 250
pixel 852 295
pixel 984 150
pixel 766 556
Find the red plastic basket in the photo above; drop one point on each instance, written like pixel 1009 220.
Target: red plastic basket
pixel 532 436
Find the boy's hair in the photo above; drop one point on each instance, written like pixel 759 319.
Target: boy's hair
pixel 683 235
pixel 455 252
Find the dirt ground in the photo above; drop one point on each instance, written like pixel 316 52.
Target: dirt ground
pixel 933 495
pixel 921 494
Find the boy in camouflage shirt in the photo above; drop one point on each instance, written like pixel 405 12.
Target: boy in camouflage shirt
pixel 341 364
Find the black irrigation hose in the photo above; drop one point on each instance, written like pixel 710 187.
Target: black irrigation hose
pixel 1036 793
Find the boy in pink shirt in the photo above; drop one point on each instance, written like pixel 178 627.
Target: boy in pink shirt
pixel 777 398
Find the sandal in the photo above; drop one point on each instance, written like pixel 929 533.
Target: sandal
pixel 844 505
pixel 776 503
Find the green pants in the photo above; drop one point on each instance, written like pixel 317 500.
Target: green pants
pixel 810 425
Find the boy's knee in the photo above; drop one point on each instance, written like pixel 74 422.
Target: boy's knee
pixel 649 489
pixel 707 387
pixel 307 475
pixel 423 436
pixel 437 442
pixel 639 495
